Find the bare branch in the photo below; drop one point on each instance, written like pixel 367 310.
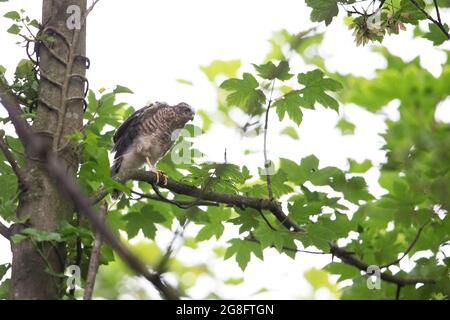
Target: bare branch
pixel 95 256
pixel 4 231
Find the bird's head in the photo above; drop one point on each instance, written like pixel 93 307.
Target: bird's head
pixel 185 113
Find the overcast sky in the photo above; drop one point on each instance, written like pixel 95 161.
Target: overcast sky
pixel 147 45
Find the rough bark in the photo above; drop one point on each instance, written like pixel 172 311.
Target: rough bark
pixel 43 206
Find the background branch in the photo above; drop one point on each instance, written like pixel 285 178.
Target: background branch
pixel 95 257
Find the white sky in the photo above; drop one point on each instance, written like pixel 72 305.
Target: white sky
pixel 147 45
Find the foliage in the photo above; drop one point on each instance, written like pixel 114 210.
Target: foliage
pixel 372 20
pixel 333 205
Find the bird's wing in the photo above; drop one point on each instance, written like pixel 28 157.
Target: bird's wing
pixel 130 128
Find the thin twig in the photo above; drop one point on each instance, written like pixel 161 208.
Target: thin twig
pixel 13 163
pixel 95 256
pixel 397 292
pixel 438 13
pixel 266 160
pixel 429 17
pixel 411 245
pixel 267 221
pixel 161 268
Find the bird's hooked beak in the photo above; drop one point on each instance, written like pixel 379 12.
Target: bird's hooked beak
pixel 192 115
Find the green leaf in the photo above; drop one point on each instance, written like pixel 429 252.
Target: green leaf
pixel 4 289
pixel 244 93
pixel 409 13
pixel 319 278
pixel 362 167
pixel 242 250
pixel 144 220
pixel 234 281
pixel 122 89
pixel 323 10
pixel 435 34
pixel 270 72
pixel 291 132
pixel 34 23
pixel 13 15
pixel 320 235
pixel 42 235
pixel 210 230
pixel 184 81
pixel 14 29
pixel 346 127
pixel 220 67
pixel 3 269
pixel 268 237
pixel 343 270
pixel 315 89
pixel 290 103
pixel 16 238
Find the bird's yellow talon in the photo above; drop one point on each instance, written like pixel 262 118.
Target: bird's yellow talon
pixel 157 176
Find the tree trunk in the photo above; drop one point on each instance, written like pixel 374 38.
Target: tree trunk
pixel 42 206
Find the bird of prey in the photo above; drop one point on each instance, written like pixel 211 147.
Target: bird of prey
pixel 147 135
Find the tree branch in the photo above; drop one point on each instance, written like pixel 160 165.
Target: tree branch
pixel 95 257
pixel 4 231
pixel 236 200
pixel 438 13
pixel 351 259
pixel 179 203
pixel 15 112
pixel 429 17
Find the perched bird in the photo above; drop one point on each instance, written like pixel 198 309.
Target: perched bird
pixel 147 135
